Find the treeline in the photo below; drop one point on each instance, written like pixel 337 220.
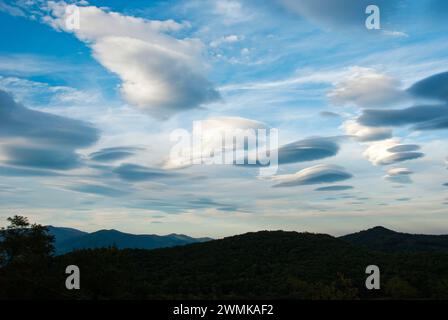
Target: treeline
pixel 262 265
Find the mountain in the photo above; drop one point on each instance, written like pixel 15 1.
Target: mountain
pixel 63 234
pixel 377 238
pixel 68 239
pixel 257 265
pixel 382 239
pixel 261 265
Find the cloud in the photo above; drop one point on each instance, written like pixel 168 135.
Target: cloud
pixel 445 184
pixel 397 34
pixel 404 148
pixel 10 171
pixel 378 153
pixel 36 139
pixel 399 175
pixel 366 88
pixel 135 173
pixel 208 137
pixel 329 114
pixel 225 40
pixel 210 203
pixel 338 13
pixel 364 133
pixel 433 87
pixel 113 154
pixel 160 81
pixel 97 189
pixel 334 188
pixel 160 74
pixel 403 117
pixel 314 175
pixel 402 156
pixel 420 117
pixel 16 121
pixel 308 150
pixel 39 157
pixel 436 124
pixel 231 11
pixel 179 205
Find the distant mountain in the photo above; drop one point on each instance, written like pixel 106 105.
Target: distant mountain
pixel 377 238
pixel 260 265
pixel 68 239
pixel 63 234
pixel 382 239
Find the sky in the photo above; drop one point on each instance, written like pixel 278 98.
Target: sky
pixel 92 93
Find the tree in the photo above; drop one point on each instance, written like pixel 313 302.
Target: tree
pixel 25 257
pixel 398 288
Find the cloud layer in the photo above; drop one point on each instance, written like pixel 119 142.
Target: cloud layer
pixel 403 117
pixel 365 133
pixel 308 150
pixel 314 175
pixel 334 188
pixel 113 154
pixel 367 88
pixel 40 140
pixel 399 175
pixel 135 173
pixel 420 117
pixel 337 13
pixel 433 87
pixel 391 151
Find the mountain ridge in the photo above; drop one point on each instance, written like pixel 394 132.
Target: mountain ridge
pixel 382 239
pixel 69 239
pixel 254 265
pixel 261 265
pixel 377 238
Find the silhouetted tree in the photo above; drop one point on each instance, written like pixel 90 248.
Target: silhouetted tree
pixel 25 257
pixel 398 288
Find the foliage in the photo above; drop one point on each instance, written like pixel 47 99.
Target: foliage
pixel 262 265
pixel 25 258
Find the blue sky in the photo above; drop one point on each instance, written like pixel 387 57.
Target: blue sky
pixel 86 114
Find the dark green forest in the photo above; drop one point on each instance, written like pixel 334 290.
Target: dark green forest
pixel 261 265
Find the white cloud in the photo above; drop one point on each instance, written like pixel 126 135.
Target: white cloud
pixel 364 133
pixel 399 175
pixel 96 23
pixel 365 87
pixel 160 74
pixel 226 39
pixel 398 34
pixel 398 171
pixel 210 135
pixel 378 153
pixel 313 175
pixel 231 11
pixel 323 77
